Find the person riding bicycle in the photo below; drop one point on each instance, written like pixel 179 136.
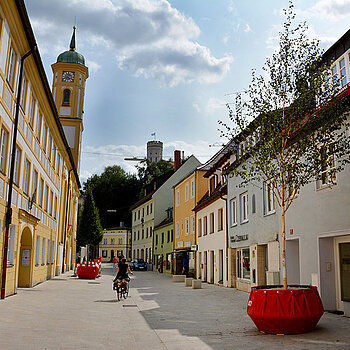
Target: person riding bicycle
pixel 123 270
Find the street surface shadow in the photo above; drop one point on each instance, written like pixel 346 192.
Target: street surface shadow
pixel 106 301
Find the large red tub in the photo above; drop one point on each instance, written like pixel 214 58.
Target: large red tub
pixel 87 272
pixel 278 311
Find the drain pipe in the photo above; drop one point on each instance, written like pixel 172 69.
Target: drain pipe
pixel 65 221
pixel 8 218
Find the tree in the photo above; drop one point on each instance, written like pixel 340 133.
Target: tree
pixel 114 192
pixel 89 227
pixel 147 171
pixel 290 126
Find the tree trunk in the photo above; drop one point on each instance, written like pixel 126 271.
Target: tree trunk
pixel 284 267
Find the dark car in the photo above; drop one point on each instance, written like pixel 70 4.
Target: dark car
pixel 138 264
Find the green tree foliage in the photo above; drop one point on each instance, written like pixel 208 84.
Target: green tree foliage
pixel 290 125
pixel 89 227
pixel 147 170
pixel 114 190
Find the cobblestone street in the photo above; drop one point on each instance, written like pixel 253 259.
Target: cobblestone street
pixel 68 313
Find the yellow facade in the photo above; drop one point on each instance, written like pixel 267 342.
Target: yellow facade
pixel 186 194
pixel 42 232
pixel 115 243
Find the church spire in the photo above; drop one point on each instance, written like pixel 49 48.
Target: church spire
pixel 72 42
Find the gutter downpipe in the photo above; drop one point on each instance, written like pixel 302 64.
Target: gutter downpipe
pixel 12 168
pixel 65 222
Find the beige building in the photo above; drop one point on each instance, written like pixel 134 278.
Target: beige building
pixel 116 242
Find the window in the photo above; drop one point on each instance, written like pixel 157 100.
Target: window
pixel 26 177
pixel 205 226
pixel 55 208
pixel 3 149
pixel 143 234
pixel 220 219
pixel 243 263
pixel 53 155
pixel 177 229
pixel 343 80
pixel 199 227
pixel 172 235
pixel 162 237
pixel 48 252
pixel 38 126
pixel 187 226
pixel 143 212
pixel 17 165
pixel 146 232
pixel 168 237
pixel 327 175
pixel 138 235
pixel 244 207
pixel 150 231
pixel 44 140
pixel 37 250
pixel 269 202
pixel 177 198
pixel 52 251
pixel 66 97
pixel 156 237
pixel 41 192
pixel 192 188
pixel 11 245
pixel 35 184
pixel 335 78
pixel 138 214
pixel 233 207
pixel 46 200
pixel 213 183
pixel 193 223
pixel 120 241
pixel 151 205
pixel 147 211
pixel 104 253
pixel 135 216
pixel 49 150
pixel 11 67
pixel 186 192
pixel 51 202
pixel 31 113
pixel 23 92
pixel 105 241
pixel 211 223
pixel 112 240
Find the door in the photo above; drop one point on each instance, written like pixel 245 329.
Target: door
pixel 205 271
pixel 221 265
pixel 212 266
pixel 342 256
pixel 26 257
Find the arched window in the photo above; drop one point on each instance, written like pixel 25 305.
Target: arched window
pixel 66 97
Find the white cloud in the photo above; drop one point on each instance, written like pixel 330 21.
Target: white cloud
pixel 149 37
pixel 196 107
pixel 93 66
pixel 247 28
pixel 330 10
pixel 215 104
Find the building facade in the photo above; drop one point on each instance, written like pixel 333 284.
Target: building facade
pixel 115 243
pixel 42 232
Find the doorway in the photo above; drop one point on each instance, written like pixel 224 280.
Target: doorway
pixel 25 261
pixel 293 261
pixel 342 256
pixel 212 265
pixel 221 266
pixel 205 273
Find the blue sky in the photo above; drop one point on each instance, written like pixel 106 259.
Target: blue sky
pixel 167 67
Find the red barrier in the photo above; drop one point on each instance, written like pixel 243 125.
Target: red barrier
pixel 292 311
pixel 87 271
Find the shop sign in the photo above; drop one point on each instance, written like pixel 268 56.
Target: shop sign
pixel 187 244
pixel 239 238
pixel 194 247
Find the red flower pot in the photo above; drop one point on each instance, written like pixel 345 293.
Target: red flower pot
pixel 292 311
pixel 87 272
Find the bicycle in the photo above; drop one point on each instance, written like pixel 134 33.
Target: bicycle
pixel 121 286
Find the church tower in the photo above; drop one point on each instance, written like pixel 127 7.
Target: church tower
pixel 68 88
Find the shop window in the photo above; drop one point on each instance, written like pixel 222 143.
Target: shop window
pixel 243 263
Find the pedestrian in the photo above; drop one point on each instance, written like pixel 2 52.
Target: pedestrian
pixel 114 261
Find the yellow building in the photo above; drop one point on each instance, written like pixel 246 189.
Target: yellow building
pixel 187 193
pixel 39 240
pixel 115 243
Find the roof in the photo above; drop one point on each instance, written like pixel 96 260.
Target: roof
pixel 208 199
pixel 165 222
pixel 37 59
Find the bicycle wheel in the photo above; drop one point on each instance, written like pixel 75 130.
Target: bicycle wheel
pixel 119 292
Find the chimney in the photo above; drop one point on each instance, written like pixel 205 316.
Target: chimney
pixel 177 159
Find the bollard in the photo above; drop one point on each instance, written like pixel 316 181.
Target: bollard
pixel 196 284
pixel 179 278
pixel 188 281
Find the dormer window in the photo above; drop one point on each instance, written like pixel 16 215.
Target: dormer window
pixel 66 97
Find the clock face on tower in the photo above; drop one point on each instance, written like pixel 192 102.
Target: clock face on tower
pixel 68 77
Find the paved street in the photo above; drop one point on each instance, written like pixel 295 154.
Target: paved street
pixel 159 314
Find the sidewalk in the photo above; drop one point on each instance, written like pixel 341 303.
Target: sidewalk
pixel 68 313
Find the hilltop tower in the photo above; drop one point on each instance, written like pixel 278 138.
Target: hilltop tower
pixel 68 89
pixel 154 151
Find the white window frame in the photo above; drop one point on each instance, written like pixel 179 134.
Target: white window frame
pixel 244 207
pixel 177 197
pixel 205 225
pixel 27 167
pixel 269 198
pixel 177 229
pixel 48 252
pixel 11 245
pixel 199 227
pixel 187 226
pixel 11 67
pixel 17 165
pixel 211 222
pixel 240 261
pixel 193 224
pixel 187 192
pixel 192 188
pixel 3 149
pixel 327 176
pixel 220 219
pixel 233 211
pixel 342 72
pixel 43 248
pixel 37 250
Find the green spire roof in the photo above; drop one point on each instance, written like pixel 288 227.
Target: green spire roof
pixel 71 56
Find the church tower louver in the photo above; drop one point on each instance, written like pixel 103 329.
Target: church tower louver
pixel 68 89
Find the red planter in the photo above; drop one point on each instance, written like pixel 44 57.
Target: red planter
pixel 291 311
pixel 87 272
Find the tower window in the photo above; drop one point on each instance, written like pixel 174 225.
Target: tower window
pixel 66 97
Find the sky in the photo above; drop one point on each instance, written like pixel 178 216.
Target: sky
pixel 167 66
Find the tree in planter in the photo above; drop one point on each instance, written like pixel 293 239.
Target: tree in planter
pixel 289 129
pixel 89 227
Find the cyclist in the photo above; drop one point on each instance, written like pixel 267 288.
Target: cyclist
pixel 123 270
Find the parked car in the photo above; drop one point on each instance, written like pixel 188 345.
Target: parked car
pixel 138 264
